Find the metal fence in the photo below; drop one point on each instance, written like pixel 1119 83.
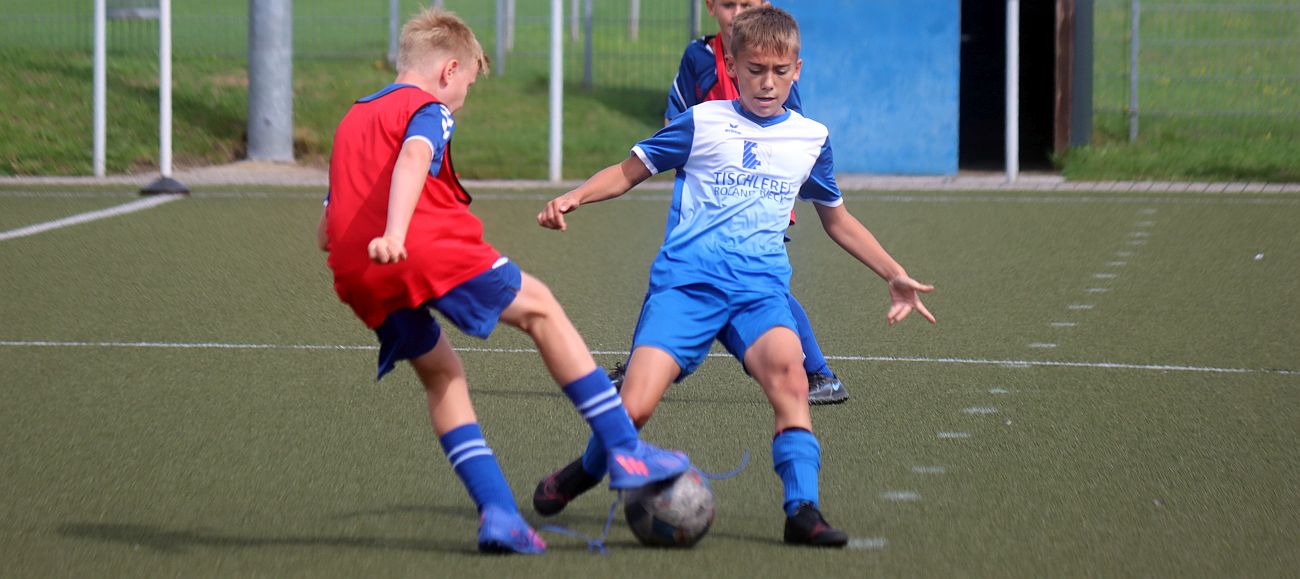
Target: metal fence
pixel 612 43
pixel 1231 67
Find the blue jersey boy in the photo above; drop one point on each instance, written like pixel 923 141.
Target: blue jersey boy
pixel 722 272
pixel 701 77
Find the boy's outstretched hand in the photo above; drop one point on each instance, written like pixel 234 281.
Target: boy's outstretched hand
pixel 386 250
pixel 552 216
pixel 903 292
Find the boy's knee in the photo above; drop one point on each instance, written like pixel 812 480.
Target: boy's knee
pixel 534 305
pixel 639 416
pixel 436 369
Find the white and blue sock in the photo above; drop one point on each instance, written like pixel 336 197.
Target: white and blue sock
pixel 599 404
pixel 797 459
pixel 814 362
pixel 477 467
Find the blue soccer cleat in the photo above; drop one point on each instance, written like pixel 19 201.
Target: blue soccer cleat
pixel 642 464
pixel 504 532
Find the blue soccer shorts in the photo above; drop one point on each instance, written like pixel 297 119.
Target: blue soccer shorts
pixel 684 321
pixel 474 306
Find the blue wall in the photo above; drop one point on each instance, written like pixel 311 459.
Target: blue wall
pixel 884 76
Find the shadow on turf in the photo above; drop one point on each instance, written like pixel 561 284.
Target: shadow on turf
pixel 176 542
pixel 672 398
pixel 582 523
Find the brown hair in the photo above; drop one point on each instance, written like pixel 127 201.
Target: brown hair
pixel 433 32
pixel 765 29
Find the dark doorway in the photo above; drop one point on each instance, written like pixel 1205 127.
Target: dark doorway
pixel 982 132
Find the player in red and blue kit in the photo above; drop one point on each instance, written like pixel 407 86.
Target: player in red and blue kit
pixel 701 77
pixel 402 242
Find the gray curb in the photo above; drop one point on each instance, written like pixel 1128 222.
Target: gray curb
pixel 250 173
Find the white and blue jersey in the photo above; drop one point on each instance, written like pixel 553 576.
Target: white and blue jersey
pixel 737 179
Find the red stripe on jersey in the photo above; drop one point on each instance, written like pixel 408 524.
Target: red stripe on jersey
pixel 725 88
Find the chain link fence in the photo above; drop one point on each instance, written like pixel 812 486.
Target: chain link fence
pixel 623 43
pixel 1173 69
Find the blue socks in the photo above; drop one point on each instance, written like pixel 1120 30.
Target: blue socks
pixel 595 460
pixel 599 404
pixel 477 467
pixel 796 457
pixel 813 360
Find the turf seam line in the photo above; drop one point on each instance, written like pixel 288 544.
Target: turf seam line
pixel 850 358
pixel 132 207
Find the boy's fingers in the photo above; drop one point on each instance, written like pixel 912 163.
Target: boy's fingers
pixel 552 217
pixel 916 285
pixel 920 307
pixel 898 312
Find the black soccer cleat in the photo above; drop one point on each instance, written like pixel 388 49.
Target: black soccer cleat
pixel 825 389
pixel 557 489
pixel 617 375
pixel 808 527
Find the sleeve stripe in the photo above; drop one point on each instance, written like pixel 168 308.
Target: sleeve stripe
pixel 836 203
pixel 645 159
pixel 680 100
pixel 422 139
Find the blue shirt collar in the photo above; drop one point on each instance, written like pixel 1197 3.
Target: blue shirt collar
pixel 761 121
pixel 385 91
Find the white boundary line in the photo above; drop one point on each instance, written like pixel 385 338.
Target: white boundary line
pixel 906 359
pixel 132 207
pixel 656 195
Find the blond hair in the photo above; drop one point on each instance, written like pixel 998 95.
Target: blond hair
pixel 433 33
pixel 766 29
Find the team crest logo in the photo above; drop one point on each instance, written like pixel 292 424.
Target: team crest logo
pixel 753 156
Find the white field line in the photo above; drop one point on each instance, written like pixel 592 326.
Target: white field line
pixel 902 359
pixel 132 207
pixel 658 196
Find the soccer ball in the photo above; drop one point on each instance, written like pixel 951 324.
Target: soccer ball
pixel 672 513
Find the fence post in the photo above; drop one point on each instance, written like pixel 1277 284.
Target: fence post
pixel 575 13
pixel 1013 91
pixel 165 184
pixel 1081 101
pixel 499 63
pixel 556 153
pixel 392 32
pixel 588 25
pixel 633 20
pixel 270 80
pixel 510 25
pixel 695 19
pixel 1133 44
pixel 101 89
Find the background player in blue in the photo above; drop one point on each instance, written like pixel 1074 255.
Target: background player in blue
pixel 722 272
pixel 702 77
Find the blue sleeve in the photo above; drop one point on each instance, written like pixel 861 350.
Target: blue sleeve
pixel 681 95
pixel 670 147
pixel 793 102
pixel 696 75
pixel 433 125
pixel 820 188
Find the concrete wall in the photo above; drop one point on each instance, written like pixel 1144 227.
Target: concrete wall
pixel 884 76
